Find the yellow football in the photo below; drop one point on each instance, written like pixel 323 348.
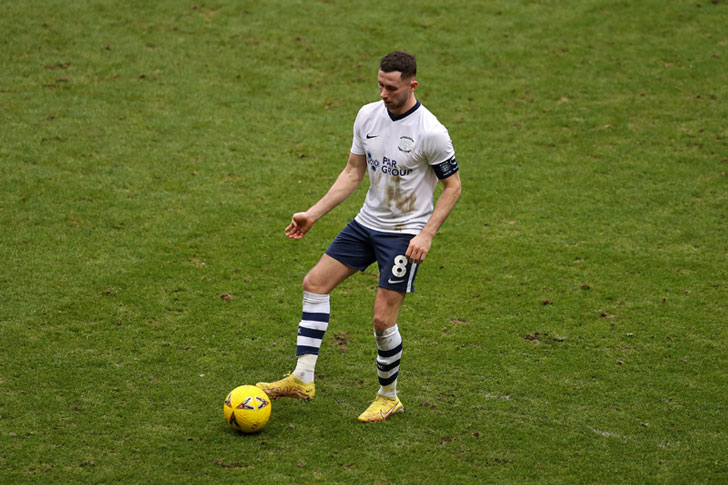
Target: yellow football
pixel 247 409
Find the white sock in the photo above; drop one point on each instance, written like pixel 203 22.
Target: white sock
pixel 305 367
pixel 311 329
pixel 389 354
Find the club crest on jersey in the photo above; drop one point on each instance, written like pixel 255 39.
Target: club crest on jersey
pixel 406 144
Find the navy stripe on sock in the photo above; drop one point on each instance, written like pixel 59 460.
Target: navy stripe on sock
pixel 305 349
pixel 315 317
pixel 387 367
pixel 311 333
pixel 390 353
pixel 385 381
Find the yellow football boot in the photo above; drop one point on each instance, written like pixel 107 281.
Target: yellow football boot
pixel 289 386
pixel 382 408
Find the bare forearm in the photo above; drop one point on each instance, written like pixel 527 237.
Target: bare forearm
pixel 444 206
pixel 420 244
pixel 346 183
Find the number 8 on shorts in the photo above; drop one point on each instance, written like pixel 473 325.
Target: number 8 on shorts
pixel 400 266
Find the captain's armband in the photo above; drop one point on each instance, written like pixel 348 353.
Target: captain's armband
pixel 445 169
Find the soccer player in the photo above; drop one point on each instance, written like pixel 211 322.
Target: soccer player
pixel 406 151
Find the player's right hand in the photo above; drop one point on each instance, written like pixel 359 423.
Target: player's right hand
pixel 300 224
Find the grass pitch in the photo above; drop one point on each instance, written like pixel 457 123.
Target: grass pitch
pixel 568 326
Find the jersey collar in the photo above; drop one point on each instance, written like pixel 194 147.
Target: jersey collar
pixel 406 113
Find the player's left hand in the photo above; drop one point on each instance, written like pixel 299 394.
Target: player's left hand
pixel 418 248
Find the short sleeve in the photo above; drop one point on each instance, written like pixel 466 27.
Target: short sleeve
pixel 357 145
pixel 438 146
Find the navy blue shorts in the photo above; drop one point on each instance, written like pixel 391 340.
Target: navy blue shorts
pixel 357 247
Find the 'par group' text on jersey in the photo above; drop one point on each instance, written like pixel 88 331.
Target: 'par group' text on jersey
pixel 406 155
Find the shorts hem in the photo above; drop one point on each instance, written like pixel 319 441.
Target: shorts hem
pixel 398 290
pixel 344 262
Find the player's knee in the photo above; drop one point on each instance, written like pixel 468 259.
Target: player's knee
pixel 307 284
pixel 311 285
pixel 381 323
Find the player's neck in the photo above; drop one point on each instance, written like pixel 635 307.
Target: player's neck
pixel 411 102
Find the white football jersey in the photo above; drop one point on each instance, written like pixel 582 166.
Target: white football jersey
pixel 405 156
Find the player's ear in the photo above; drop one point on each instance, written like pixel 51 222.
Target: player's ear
pixel 413 84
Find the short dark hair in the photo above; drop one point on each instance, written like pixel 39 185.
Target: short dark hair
pixel 401 61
